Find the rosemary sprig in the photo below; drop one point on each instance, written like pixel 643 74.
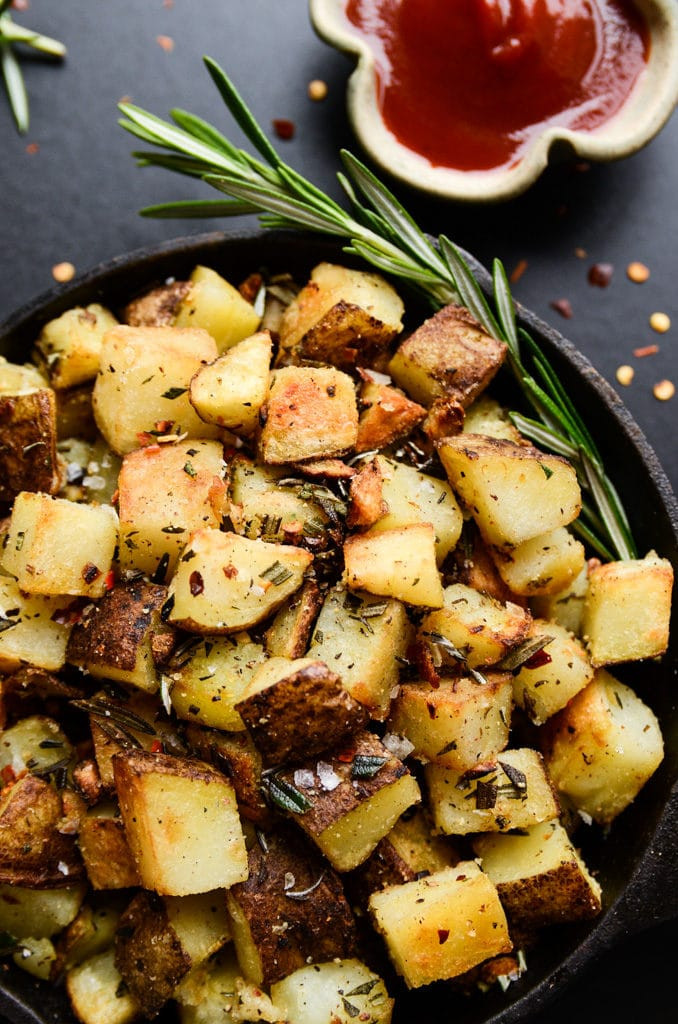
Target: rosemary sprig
pixel 10 34
pixel 379 230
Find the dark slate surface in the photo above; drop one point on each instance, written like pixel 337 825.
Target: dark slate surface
pixel 70 191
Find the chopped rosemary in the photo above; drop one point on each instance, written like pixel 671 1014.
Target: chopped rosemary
pixel 523 652
pixel 366 766
pixel 286 796
pixel 276 573
pixel 174 392
pixel 118 714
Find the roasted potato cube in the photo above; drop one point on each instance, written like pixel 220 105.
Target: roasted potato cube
pixel 116 638
pixel 442 925
pixel 275 930
pixel 216 991
pixel 33 850
pixel 141 390
pixel 57 547
pixel 514 492
pixel 225 583
pixel 260 507
pixel 362 637
pixel 236 756
pixel 157 308
pixel 367 503
pixel 349 801
pixel 70 345
pixel 218 308
pixel 19 378
pixel 311 413
pixel 445 418
pixel 540 877
pixel 399 563
pixel 28 455
pixel 75 416
pixel 546 682
pixel 341 316
pixel 90 932
pixel 602 748
pixel 289 634
pixel 103 844
pixel 211 676
pixel 566 607
pixel 39 913
pixel 449 356
pixel 386 415
pixel 231 391
pixel 34 629
pixel 165 493
pixel 456 724
pixel 296 709
pixel 338 991
pixel 95 990
pixel 486 416
pixel 627 610
pixel 476 624
pixel 542 565
pixel 507 792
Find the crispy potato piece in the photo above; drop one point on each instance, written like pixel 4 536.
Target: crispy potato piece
pixel 28 455
pixel 103 844
pixel 338 991
pixel 449 356
pixel 545 683
pixel 94 989
pixel 274 932
pixel 289 634
pixel 445 418
pixel 442 925
pixel 231 390
pixel 399 563
pixel 157 308
pixel 386 415
pixel 218 308
pixel 545 564
pixel 486 416
pixel 296 709
pixel 260 507
pixel 367 503
pixel 477 624
pixel 39 913
pixel 33 850
pixel 311 413
pixel 35 628
pixel 236 756
pixel 211 676
pixel 70 346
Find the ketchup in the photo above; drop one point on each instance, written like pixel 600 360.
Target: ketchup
pixel 468 84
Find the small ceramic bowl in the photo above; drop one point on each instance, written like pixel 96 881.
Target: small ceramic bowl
pixel 644 113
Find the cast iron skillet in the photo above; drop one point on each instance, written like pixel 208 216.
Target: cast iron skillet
pixel 635 861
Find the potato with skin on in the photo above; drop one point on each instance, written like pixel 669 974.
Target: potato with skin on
pixel 235 754
pixel 513 491
pixel 342 316
pixel 295 709
pixel 477 624
pixel 362 637
pixel 399 563
pixel 157 308
pixel 28 454
pixel 449 356
pixel 627 609
pixel 214 305
pixel 289 634
pixel 348 799
pixel 547 682
pixel 507 792
pixel 141 390
pixel 440 926
pixel 35 629
pixel 57 547
pixel 164 494
pixel 602 748
pixel 225 583
pixel 541 565
pixel 566 607
pixel 471 563
pixel 386 414
pixel 181 821
pixel 105 851
pixel 457 724
pixel 69 346
pixel 540 877
pixel 33 851
pixel 311 413
pixel 338 991
pixel 231 390
pixel 94 990
pixel 366 500
pixel 91 931
pixel 274 932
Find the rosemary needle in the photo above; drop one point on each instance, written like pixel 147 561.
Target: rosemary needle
pixel 11 34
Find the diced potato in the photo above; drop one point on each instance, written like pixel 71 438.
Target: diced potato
pixel 91 931
pixel 445 418
pixel 34 629
pixel 141 390
pixel 19 378
pixel 399 563
pixel 602 748
pixel 540 877
pixel 40 913
pixel 105 850
pixel 442 925
pixel 362 637
pixel 36 957
pixel 165 493
pixel 514 492
pixel 218 308
pixel 341 316
pixel 94 988
pixel 386 415
pixel 545 684
pixel 216 991
pixel 70 345
pixel 456 724
pixel 231 391
pixel 338 991
pixel 627 610
pixel 448 356
pixel 35 849
pixel 34 742
pixel 566 607
pixel 476 624
pixel 115 722
pixel 181 821
pixel 311 413
pixel 541 565
pixel 210 679
pixel 225 583
pixel 57 547
pixel 511 791
pixel 289 634
pixel 260 507
pixel 28 454
pixel 157 308
pixel 486 416
pixel 234 754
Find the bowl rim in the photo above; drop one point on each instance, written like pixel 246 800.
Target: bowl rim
pixel 652 102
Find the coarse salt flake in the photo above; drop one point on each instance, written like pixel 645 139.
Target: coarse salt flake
pixel 329 779
pixel 399 746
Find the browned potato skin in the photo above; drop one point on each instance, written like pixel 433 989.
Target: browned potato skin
pixel 108 859
pixel 387 415
pixel 289 634
pixel 148 953
pixel 158 308
pixel 319 927
pixel 548 898
pixel 31 845
pixel 22 692
pixel 28 456
pixel 445 418
pixel 366 504
pixel 75 417
pixel 474 566
pixel 236 756
pixel 301 715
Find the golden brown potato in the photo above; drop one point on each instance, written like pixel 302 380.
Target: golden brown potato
pixel 214 305
pixel 549 679
pixel 399 563
pixel 386 415
pixel 545 564
pixel 28 456
pixel 69 347
pixel 102 842
pixel 157 308
pixel 477 624
pixel 289 634
pixel 96 992
pixel 35 629
pixel 33 850
pixel 231 390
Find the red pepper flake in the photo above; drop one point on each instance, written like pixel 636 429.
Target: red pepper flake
pixel 562 306
pixel 600 274
pixel 283 128
pixel 230 571
pixel 165 43
pixel 646 350
pixel 443 935
pixel 163 426
pixel 32 148
pixel 538 660
pixel 115 497
pixel 90 572
pixel 196 583
pixel 110 580
pixel 346 756
pixel 8 774
pixel 156 747
pixel 518 271
pixel 168 4
pixel 69 615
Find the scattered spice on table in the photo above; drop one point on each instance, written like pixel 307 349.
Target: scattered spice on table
pixel 165 43
pixel 317 89
pixel 562 306
pixel 625 375
pixel 600 274
pixel 664 390
pixel 645 350
pixel 283 128
pixel 63 272
pixel 637 272
pixel 518 271
pixel 580 253
pixel 660 322
pixel 32 148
